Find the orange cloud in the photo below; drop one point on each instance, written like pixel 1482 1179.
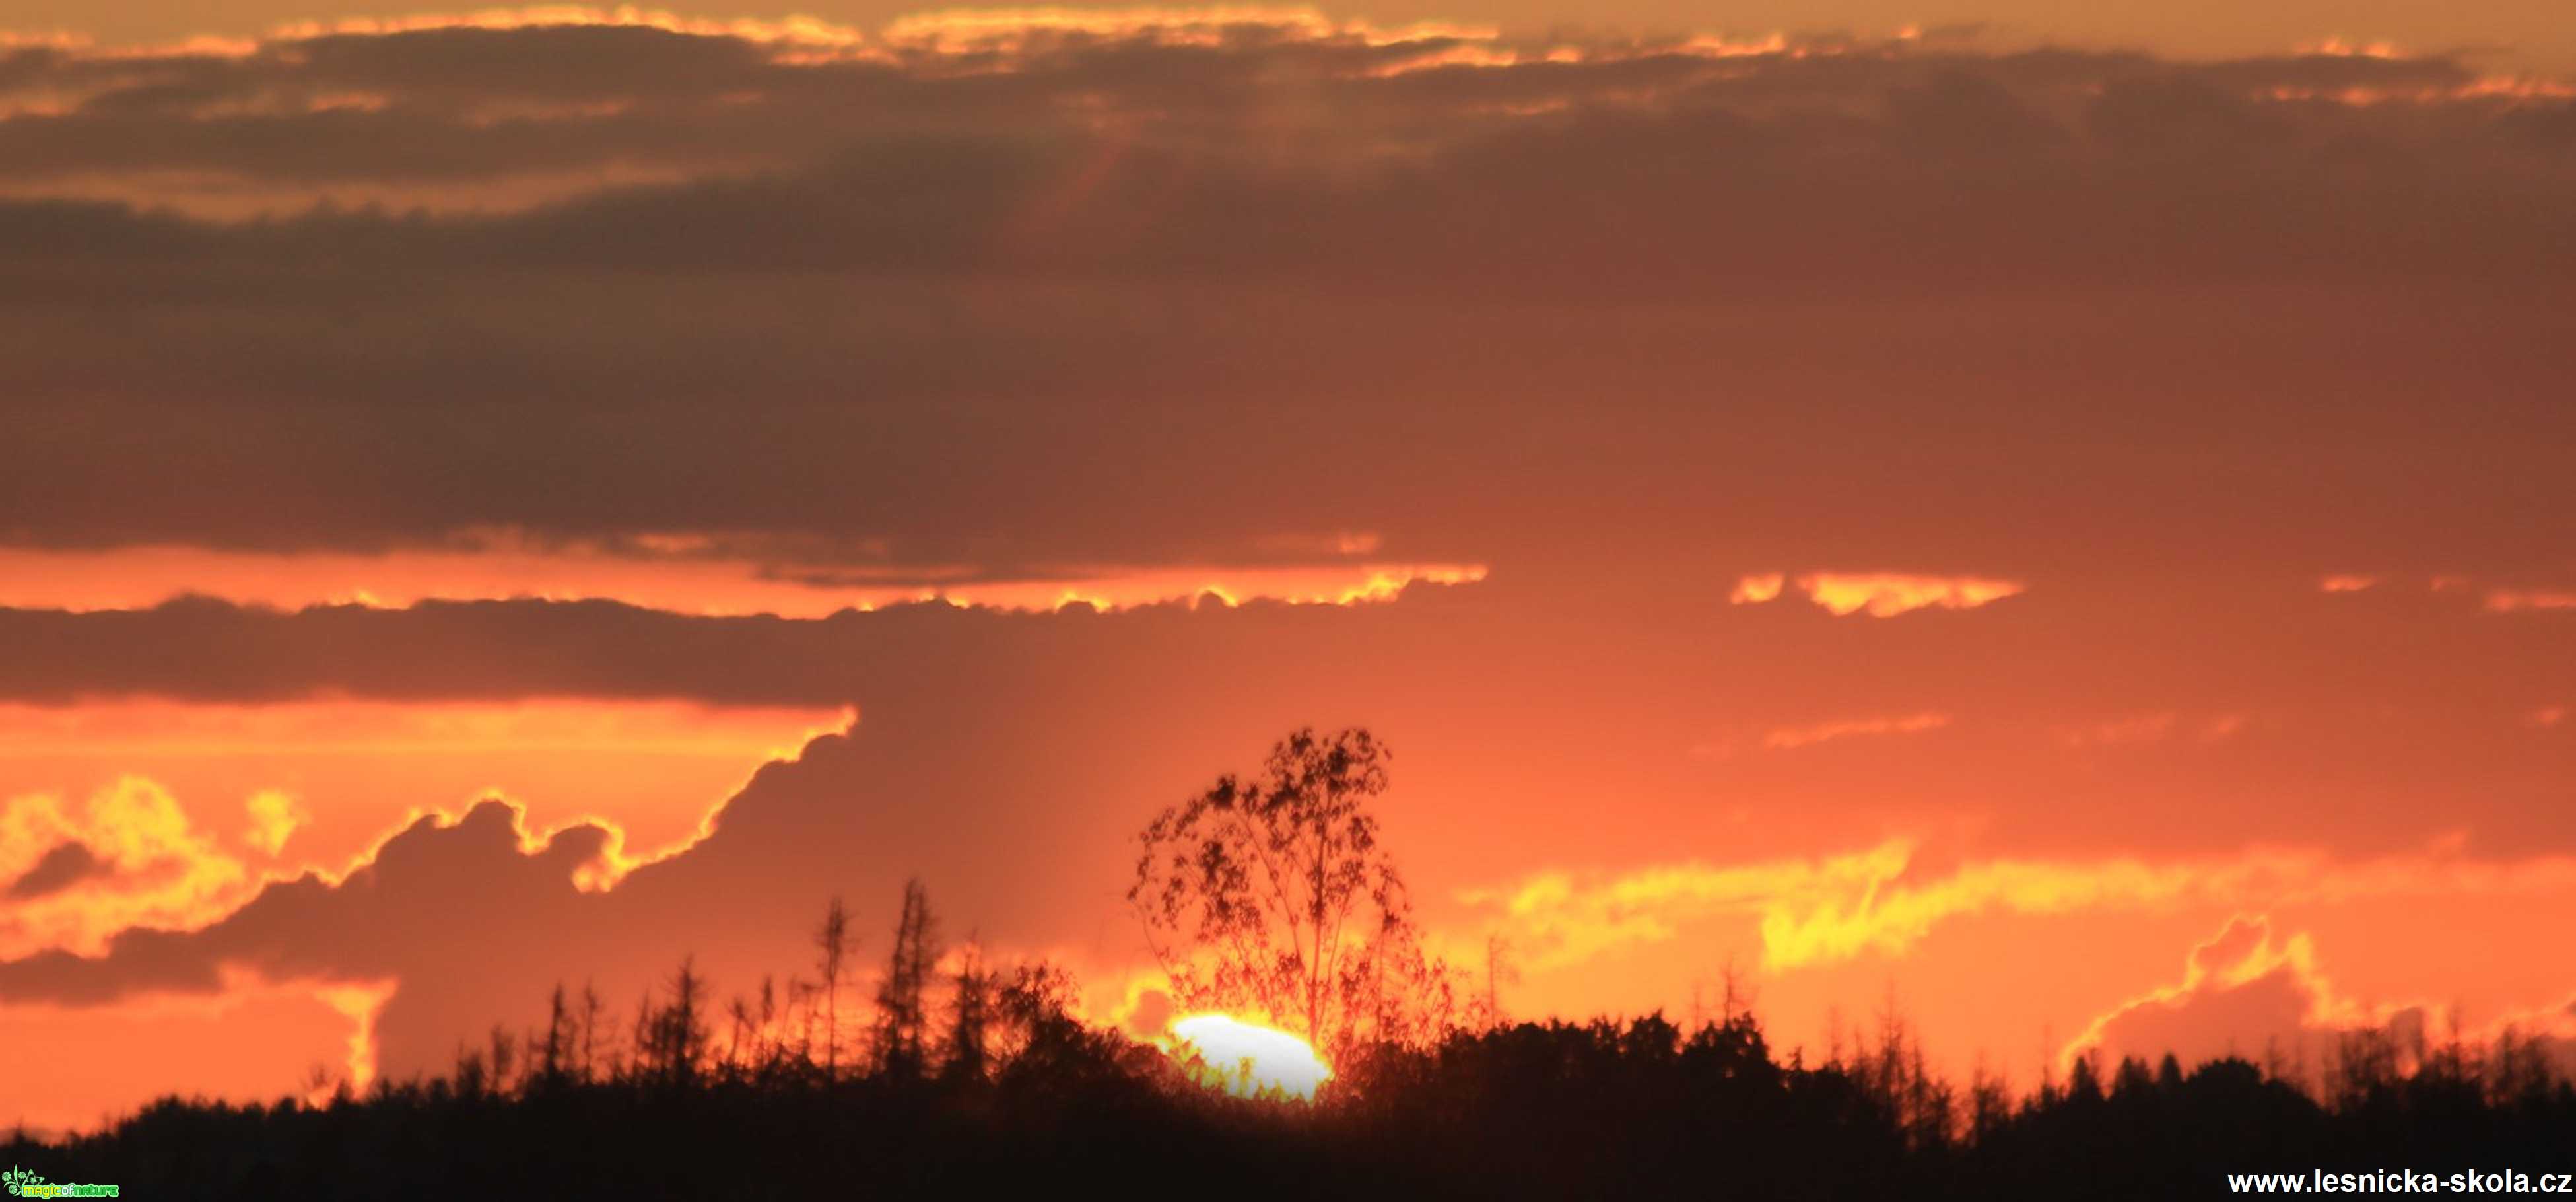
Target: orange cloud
pixel 2142 728
pixel 1339 542
pixel 1785 738
pixel 963 30
pixel 799 30
pixel 988 38
pixel 2504 87
pixel 2253 992
pixel 2242 994
pixel 1757 589
pixel 2335 47
pixel 151 727
pixel 974 34
pixel 139 577
pixel 1878 594
pixel 249 1037
pixel 2505 601
pixel 650 770
pixel 1885 595
pixel 135 855
pixel 359 1002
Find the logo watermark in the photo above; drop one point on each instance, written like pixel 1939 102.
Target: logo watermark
pixel 24 1184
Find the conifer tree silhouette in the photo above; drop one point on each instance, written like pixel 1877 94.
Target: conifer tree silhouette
pixel 832 944
pixel 902 1015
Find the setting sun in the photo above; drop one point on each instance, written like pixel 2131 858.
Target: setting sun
pixel 1247 1059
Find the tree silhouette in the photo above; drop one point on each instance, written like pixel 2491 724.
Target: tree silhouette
pixel 589 1039
pixel 555 1050
pixel 1499 971
pixel 671 1041
pixel 970 1015
pixel 1274 894
pixel 902 1016
pixel 1606 1108
pixel 832 944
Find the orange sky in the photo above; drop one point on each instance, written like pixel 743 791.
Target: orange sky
pixel 2073 542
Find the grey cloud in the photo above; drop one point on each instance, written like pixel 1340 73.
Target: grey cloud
pixel 2159 350
pixel 67 864
pixel 1288 113
pixel 980 421
pixel 1013 308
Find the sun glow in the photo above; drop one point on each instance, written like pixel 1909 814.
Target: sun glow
pixel 1246 1059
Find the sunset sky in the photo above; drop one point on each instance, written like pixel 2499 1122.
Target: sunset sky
pixel 2062 519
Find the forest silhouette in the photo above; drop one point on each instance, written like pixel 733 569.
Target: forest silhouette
pixel 965 1077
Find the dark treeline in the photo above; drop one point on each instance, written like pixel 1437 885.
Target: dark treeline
pixel 973 1080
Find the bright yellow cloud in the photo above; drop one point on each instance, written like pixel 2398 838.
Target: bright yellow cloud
pixel 274 815
pixel 1878 594
pixel 150 868
pixel 1825 910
